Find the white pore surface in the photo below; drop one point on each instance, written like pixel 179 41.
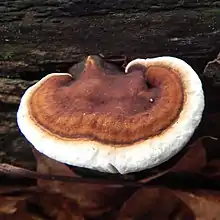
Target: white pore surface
pixel 133 158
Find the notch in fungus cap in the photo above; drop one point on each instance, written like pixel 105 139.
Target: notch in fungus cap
pixel 102 118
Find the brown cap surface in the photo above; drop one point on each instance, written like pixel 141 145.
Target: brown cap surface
pixel 108 105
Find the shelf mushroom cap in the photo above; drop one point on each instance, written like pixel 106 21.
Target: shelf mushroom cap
pixel 102 118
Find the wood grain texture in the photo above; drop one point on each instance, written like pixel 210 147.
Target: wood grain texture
pixel 38 37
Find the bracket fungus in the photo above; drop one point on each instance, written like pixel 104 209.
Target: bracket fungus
pixel 102 118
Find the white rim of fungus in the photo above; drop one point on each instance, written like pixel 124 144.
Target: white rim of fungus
pixel 132 158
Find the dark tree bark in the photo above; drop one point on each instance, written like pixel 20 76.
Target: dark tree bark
pixel 40 37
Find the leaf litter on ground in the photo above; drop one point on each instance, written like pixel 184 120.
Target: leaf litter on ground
pixel 185 187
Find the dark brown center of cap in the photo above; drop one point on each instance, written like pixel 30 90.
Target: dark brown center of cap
pixel 104 104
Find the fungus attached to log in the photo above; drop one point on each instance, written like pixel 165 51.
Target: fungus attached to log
pixel 102 118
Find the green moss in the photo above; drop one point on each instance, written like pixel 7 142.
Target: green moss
pixel 10 52
pixel 6 56
pixel 212 11
pixel 7 52
pixel 215 10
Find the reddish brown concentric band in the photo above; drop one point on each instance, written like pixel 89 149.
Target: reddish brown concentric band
pixel 112 109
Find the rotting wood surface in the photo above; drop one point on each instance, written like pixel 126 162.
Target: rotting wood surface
pixel 42 36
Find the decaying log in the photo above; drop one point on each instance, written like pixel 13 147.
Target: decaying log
pixel 211 82
pixel 38 37
pixel 13 146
